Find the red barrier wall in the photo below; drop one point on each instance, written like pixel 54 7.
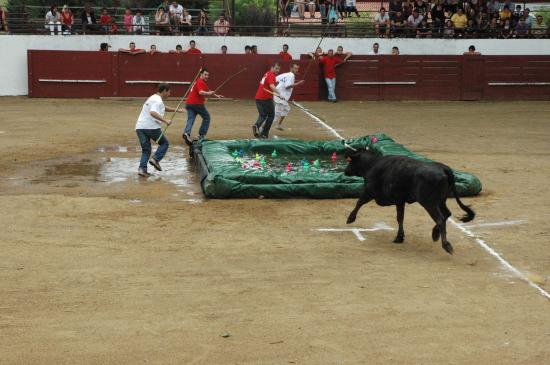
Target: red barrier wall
pixel 54 74
pixel 116 74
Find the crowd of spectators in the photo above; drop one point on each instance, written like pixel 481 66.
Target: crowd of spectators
pixel 170 18
pixel 458 19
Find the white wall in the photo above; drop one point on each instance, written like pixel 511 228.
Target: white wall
pixel 13 48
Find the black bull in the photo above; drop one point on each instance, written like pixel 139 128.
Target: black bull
pixel 396 180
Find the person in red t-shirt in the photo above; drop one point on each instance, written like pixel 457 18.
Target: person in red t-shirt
pixel 285 56
pixel 195 105
pixel 105 20
pixel 192 49
pixel 132 50
pixel 329 63
pixel 264 102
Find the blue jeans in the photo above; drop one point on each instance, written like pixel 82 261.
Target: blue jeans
pixel 192 111
pixel 266 113
pixel 145 136
pixel 331 87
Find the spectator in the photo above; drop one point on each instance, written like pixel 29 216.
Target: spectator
pixel 505 14
pixel 221 26
pixel 516 14
pixel 132 49
pixel 460 20
pixel 247 49
pixel 341 55
pixel 481 24
pixel 322 9
pixel 507 3
pixel 414 21
pixel 395 51
pixel 3 20
pixel 318 52
pixel 375 50
pixel 138 22
pixel 179 49
pixel 329 63
pixel 67 20
pixel 192 48
pixel 203 21
pixel 254 49
pixel 538 29
pixel 301 5
pixel 493 6
pixel 104 47
pixel 351 8
pixel 105 20
pixel 153 50
pixel 528 18
pixel 176 13
pixel 470 30
pixel 285 7
pixel 398 24
pixel 507 30
pixel 438 17
pixel 493 30
pixel 449 31
pixel 472 51
pixel 395 6
pixel 162 22
pixel 114 27
pixel 186 25
pixel 53 20
pixel 88 19
pixel 311 6
pixel 521 29
pixel 128 20
pixel 424 30
pixel 284 55
pixel 382 23
pixel 165 5
pixel 224 49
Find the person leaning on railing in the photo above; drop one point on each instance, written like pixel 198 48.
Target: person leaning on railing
pixel 3 20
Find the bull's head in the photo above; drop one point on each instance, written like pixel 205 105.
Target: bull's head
pixel 360 161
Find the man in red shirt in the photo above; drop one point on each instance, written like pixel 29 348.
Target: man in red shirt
pixel 264 102
pixel 132 50
pixel 285 56
pixel 329 63
pixel 192 49
pixel 195 105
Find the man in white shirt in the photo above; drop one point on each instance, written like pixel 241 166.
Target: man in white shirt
pixel 148 127
pixel 382 23
pixel 176 13
pixel 285 86
pixel 375 50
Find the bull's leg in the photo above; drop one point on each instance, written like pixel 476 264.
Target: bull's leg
pixel 446 214
pixel 363 199
pixel 400 217
pixel 440 221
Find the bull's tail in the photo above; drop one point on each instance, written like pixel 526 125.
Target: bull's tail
pixel 470 214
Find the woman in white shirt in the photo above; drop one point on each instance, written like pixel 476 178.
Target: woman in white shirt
pixel 53 20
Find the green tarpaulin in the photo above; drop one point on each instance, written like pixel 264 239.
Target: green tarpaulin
pixel 224 177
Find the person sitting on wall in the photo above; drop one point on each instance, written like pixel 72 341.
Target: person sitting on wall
pixel 53 20
pixel 472 51
pixel 105 20
pixel 192 48
pixel 132 50
pixel 224 49
pixel 3 20
pixel 88 20
pixel 179 49
pixel 138 22
pixel 67 20
pixel 284 55
pixel 221 26
pixel 162 22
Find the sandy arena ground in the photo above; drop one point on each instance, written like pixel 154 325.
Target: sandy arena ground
pixel 100 267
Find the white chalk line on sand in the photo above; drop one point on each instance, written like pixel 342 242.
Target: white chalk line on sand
pixel 464 229
pixel 502 261
pixel 358 231
pixel 494 224
pixel 318 120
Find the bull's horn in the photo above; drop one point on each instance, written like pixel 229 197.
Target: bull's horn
pixel 348 146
